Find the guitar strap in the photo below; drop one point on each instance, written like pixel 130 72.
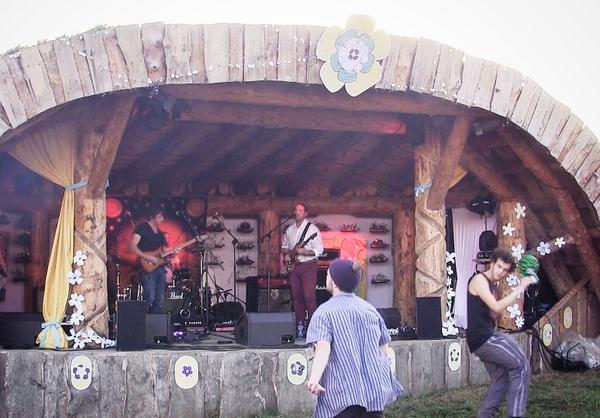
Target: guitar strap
pixel 303 233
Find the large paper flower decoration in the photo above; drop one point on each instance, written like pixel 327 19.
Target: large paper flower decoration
pixel 351 55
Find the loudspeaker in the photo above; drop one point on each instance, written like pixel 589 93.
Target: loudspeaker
pixel 158 328
pixel 266 329
pixel 281 300
pixel 18 330
pixel 429 318
pixel 390 316
pixel 131 325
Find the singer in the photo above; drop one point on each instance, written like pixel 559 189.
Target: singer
pixel 301 245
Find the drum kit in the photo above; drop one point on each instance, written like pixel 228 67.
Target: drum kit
pixel 193 300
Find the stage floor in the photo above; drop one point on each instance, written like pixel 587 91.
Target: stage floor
pixel 212 377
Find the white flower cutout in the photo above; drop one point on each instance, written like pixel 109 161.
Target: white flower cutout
pixel 450 257
pixel 78 343
pixel 448 314
pixel 520 210
pixel 512 280
pixel 517 251
pixel 449 270
pixel 79 258
pixel 76 300
pixel 513 311
pixel 450 293
pixel 76 318
pixel 519 322
pixel 73 335
pixel 75 277
pixel 559 242
pixel 508 229
pixel 448 281
pixel 543 248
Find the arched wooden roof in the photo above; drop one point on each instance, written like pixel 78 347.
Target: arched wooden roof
pixel 39 78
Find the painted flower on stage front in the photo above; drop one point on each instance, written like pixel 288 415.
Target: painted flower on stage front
pixel 187 371
pixel 81 372
pixel 351 55
pixel 297 368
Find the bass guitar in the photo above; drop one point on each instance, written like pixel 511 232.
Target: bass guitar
pixel 164 256
pixel 291 258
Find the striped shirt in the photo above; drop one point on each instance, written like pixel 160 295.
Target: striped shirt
pixel 357 373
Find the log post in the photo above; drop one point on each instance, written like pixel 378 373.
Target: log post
pixel 267 220
pixel 404 264
pixel 448 164
pixel 507 215
pixel 96 149
pixel 430 225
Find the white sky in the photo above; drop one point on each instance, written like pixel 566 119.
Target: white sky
pixel 555 42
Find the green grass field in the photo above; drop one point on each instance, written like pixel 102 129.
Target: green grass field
pixel 551 395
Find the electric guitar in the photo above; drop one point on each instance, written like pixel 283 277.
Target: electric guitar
pixel 163 256
pixel 291 258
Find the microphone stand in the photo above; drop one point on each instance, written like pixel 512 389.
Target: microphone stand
pixel 234 242
pixel 203 272
pixel 268 237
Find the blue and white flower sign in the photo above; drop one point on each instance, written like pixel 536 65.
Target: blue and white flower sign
pixel 81 372
pixel 297 369
pixel 351 55
pixel 186 372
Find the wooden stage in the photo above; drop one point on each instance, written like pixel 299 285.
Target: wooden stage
pixel 232 380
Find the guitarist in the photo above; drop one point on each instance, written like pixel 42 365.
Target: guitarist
pixel 147 237
pixel 303 278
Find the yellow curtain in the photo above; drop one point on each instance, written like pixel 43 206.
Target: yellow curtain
pixel 51 153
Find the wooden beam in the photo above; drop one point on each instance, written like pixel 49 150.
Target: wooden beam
pixel 448 162
pixel 568 209
pixel 385 123
pixel 107 150
pixel 367 206
pixel 485 173
pixel 293 95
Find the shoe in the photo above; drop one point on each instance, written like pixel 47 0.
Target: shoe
pixel 378 258
pixel 378 228
pixel 245 228
pixel 245 245
pixel 349 228
pixel 300 334
pixel 378 243
pixel 379 278
pixel 322 226
pixel 244 261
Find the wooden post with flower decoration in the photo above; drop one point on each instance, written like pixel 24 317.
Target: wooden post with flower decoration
pixel 430 225
pixel 511 235
pixel 96 149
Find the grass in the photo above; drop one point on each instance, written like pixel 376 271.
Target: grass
pixel 550 395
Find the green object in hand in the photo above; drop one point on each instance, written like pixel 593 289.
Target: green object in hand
pixel 529 266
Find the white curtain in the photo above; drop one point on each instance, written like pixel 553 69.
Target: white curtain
pixel 467 228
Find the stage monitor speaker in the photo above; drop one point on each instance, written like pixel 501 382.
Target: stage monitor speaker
pixel 266 329
pixel 19 329
pixel 429 318
pixel 281 300
pixel 131 325
pixel 158 328
pixel 391 317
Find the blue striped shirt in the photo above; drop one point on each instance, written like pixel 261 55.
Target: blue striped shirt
pixel 357 373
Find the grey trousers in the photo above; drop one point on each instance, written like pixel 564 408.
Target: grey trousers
pixel 509 371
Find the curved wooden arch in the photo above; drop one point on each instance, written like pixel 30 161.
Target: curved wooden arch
pixel 39 78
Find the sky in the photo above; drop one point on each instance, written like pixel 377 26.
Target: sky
pixel 554 42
